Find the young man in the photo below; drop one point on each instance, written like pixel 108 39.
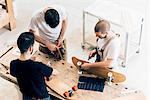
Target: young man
pixel 49 26
pixel 108 47
pixel 30 74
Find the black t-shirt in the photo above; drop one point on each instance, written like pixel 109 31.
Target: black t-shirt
pixel 30 76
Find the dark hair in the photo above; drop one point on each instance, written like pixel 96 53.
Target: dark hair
pixel 102 26
pixel 52 17
pixel 25 40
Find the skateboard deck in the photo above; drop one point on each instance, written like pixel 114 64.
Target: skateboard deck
pixel 100 72
pixel 62 88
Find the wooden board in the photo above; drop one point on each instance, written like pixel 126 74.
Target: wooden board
pixel 68 74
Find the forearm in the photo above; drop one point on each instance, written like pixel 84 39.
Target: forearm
pixel 38 38
pixel 63 29
pixel 102 64
pixel 48 44
pixel 51 46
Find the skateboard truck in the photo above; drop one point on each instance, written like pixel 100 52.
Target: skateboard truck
pixel 109 78
pixel 79 63
pixel 70 92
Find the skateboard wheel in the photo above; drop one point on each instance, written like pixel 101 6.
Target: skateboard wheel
pixel 70 93
pixel 109 79
pixel 79 63
pixel 74 88
pixel 66 94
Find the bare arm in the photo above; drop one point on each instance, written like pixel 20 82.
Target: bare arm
pixel 102 64
pixel 48 44
pixel 63 30
pixel 38 38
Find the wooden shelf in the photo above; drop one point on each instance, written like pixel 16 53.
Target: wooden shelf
pixel 7 15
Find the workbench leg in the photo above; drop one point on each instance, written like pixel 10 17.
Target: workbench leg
pixel 124 63
pixel 83 44
pixel 141 29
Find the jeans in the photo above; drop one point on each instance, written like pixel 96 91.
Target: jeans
pixel 34 98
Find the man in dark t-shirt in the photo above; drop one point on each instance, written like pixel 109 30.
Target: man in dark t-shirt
pixel 30 74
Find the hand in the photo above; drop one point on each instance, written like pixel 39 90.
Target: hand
pixel 49 64
pixel 92 54
pixel 33 58
pixel 59 42
pixel 51 46
pixel 55 72
pixel 85 66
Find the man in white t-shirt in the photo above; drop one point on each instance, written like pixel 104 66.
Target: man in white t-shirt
pixel 108 47
pixel 49 26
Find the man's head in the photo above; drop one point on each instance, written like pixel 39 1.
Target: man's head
pixel 52 18
pixel 101 28
pixel 25 42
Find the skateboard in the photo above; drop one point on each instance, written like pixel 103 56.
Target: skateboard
pixel 108 74
pixel 61 88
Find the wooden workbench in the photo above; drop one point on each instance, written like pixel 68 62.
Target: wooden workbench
pixel 68 73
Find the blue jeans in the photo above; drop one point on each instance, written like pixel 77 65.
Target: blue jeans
pixel 33 98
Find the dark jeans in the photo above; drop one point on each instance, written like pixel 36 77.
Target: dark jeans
pixel 34 98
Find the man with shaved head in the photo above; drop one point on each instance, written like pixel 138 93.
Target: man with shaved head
pixel 108 47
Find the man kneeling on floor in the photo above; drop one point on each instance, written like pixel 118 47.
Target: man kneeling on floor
pixel 30 74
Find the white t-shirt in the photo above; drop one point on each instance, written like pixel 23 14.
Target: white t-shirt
pixel 112 50
pixel 45 31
